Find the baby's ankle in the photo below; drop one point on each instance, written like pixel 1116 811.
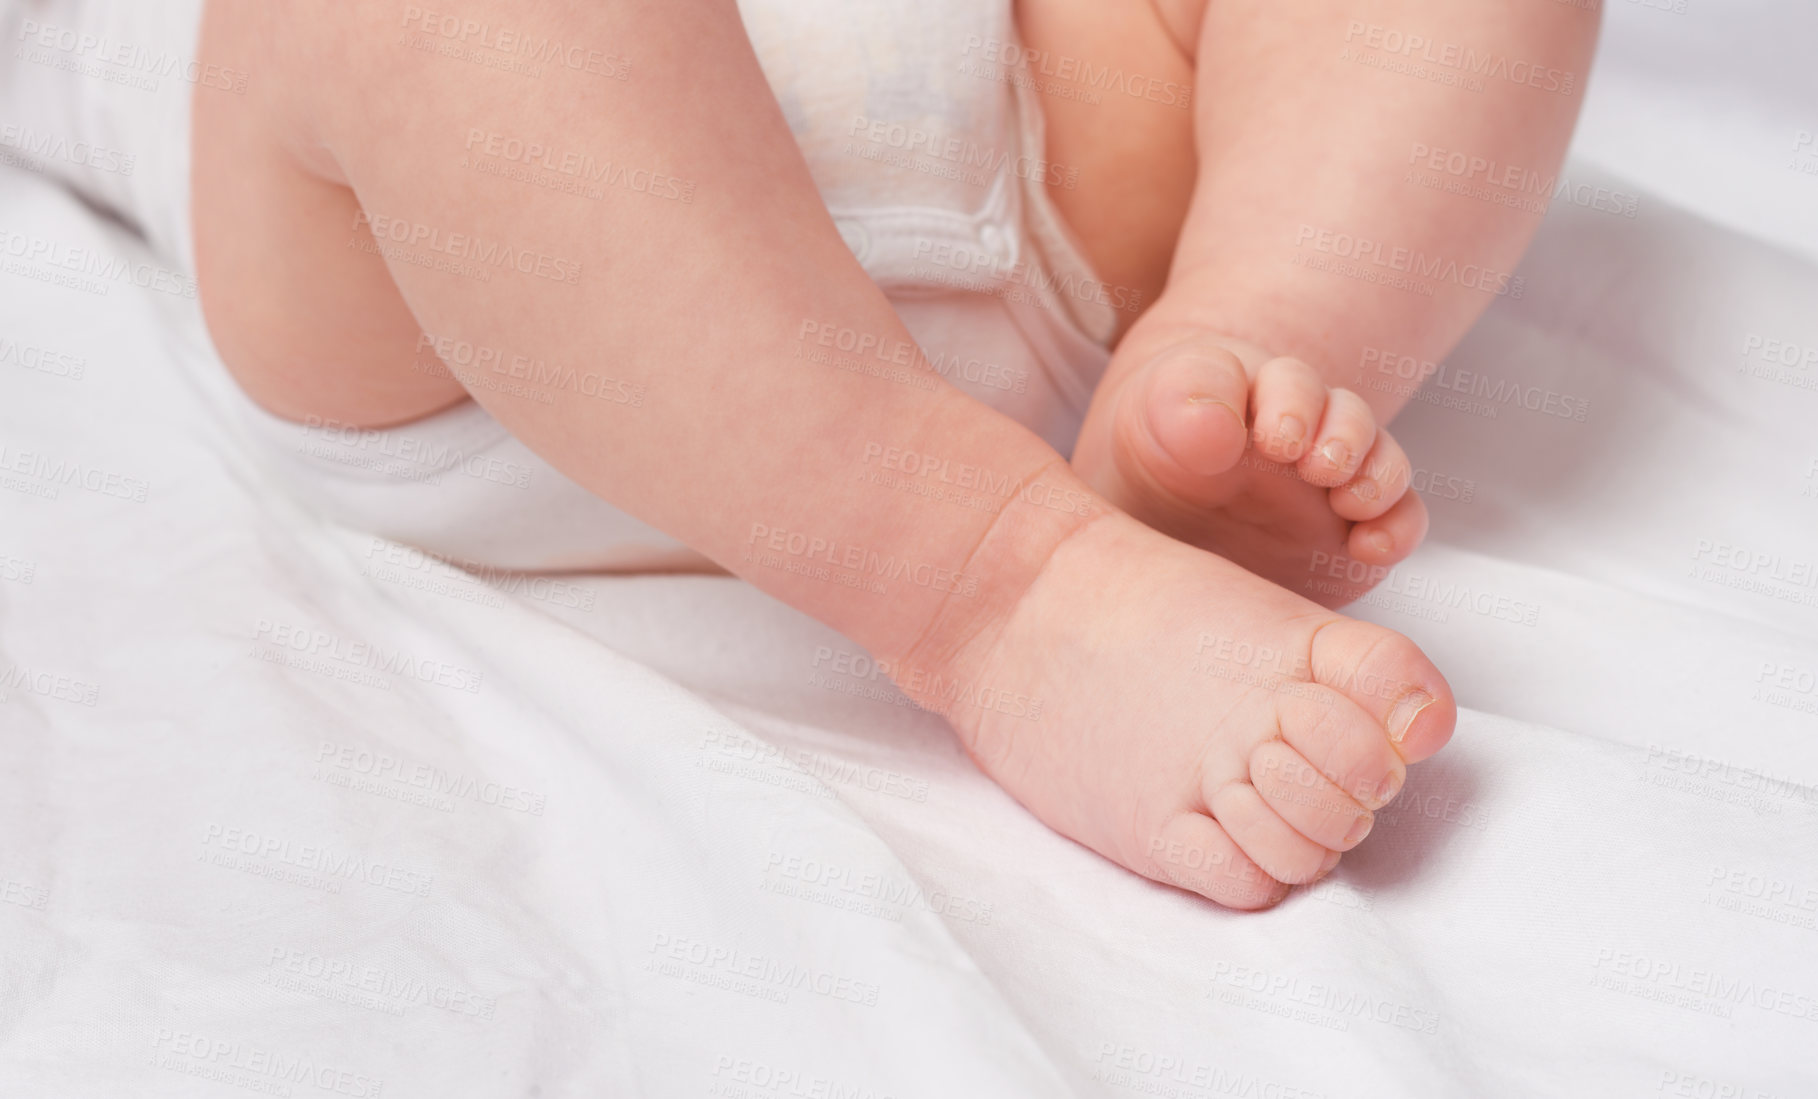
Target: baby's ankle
pixel 1040 514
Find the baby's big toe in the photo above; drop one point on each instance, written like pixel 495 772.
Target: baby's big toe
pixel 1391 680
pixel 1182 420
pixel 1159 442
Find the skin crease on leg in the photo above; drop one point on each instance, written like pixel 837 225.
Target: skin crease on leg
pixel 1161 744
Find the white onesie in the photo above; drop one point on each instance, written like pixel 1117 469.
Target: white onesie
pixel 928 152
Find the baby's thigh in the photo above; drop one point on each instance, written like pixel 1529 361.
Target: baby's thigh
pixel 294 288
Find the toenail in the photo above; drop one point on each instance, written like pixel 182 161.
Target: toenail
pixel 1197 399
pixel 1359 829
pixel 1387 789
pixel 1379 543
pixel 1401 719
pixel 1336 453
pixel 1331 861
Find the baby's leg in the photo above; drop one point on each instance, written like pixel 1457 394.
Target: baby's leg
pixel 1318 230
pixel 340 212
pixel 1145 698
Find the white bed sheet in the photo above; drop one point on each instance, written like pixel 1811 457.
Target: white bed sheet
pixel 668 846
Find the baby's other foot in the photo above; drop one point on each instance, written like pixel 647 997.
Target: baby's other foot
pixel 1265 465
pixel 1191 721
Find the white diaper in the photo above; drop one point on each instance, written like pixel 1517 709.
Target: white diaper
pixel 930 159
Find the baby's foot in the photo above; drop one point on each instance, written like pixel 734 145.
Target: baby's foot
pixel 1259 462
pixel 1190 721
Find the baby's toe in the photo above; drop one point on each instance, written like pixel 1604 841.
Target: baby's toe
pixel 1340 742
pixel 1388 539
pixel 1381 481
pixel 1308 801
pixel 1272 843
pixel 1391 680
pixel 1287 403
pixel 1187 421
pixel 1194 852
pixel 1345 434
